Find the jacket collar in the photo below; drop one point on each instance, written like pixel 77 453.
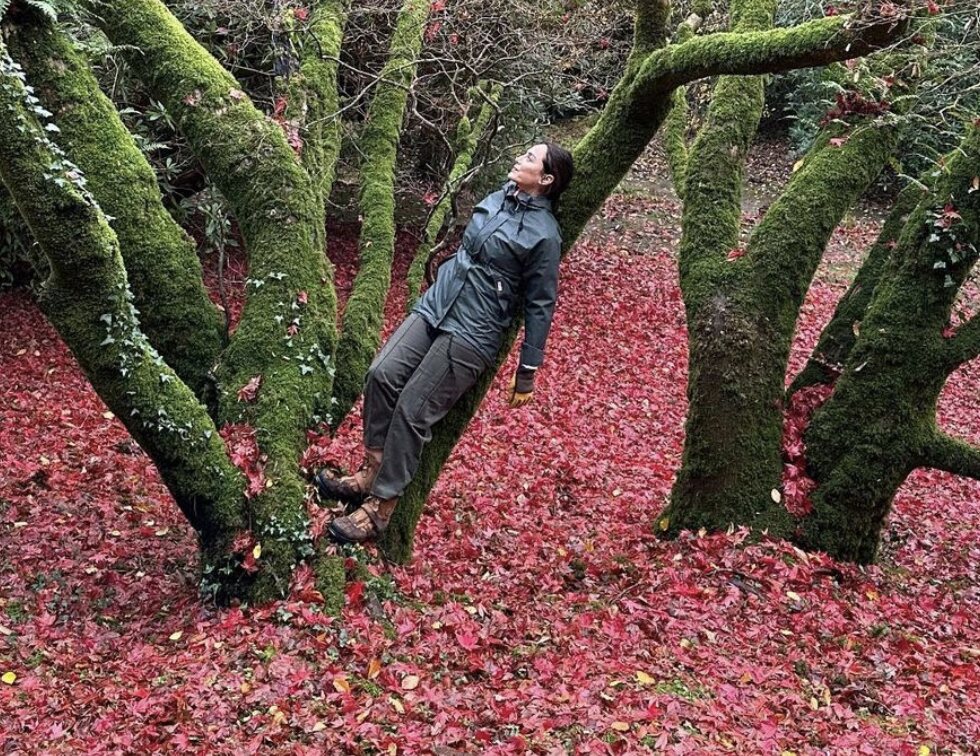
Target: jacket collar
pixel 525 200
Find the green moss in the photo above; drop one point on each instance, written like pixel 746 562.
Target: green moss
pixel 286 332
pixel 364 311
pixel 161 262
pixel 331 579
pixel 839 335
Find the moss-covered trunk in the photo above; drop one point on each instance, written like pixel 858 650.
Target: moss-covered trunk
pixel 742 304
pixel 364 311
pixel 879 424
pixel 161 261
pixel 838 336
pixel 87 298
pixel 285 337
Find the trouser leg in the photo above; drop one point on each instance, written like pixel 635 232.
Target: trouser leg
pixel 447 371
pixel 388 374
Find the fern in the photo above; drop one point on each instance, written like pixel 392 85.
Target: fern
pixel 50 8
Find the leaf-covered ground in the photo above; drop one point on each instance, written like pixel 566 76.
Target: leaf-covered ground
pixel 540 614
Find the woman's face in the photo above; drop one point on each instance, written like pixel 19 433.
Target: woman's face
pixel 528 171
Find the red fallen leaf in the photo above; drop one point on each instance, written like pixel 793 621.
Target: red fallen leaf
pixel 355 593
pixel 430 198
pixel 735 253
pixel 932 7
pixel 292 330
pixel 250 390
pixel 949 332
pixel 830 10
pixel 467 640
pixel 302 297
pixel 838 141
pixel 437 5
pixel 301 13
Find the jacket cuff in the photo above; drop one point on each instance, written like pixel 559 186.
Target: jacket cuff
pixel 524 380
pixel 531 356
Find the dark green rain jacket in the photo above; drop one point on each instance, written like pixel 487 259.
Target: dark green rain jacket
pixel 512 242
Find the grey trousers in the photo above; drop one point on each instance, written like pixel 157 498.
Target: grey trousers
pixel 418 375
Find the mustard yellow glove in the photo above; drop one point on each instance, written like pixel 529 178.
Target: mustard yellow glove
pixel 517 398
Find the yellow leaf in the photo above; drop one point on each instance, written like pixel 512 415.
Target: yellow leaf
pixel 643 678
pixel 397 705
pixel 392 750
pixel 340 684
pixel 788 753
pixel 793 595
pixel 685 643
pixel 410 682
pixel 664 523
pixel 813 703
pixel 9 678
pixel 620 726
pixel 177 636
pixel 257 551
pixel 775 495
pixel 374 669
pixel 797 165
pixel 924 750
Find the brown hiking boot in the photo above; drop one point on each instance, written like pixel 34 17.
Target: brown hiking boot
pixel 351 489
pixel 367 522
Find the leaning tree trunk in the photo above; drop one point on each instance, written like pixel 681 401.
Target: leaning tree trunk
pixel 896 369
pixel 161 260
pixel 88 299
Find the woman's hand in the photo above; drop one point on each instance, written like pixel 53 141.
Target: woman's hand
pixel 520 389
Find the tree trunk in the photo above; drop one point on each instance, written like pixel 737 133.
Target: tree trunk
pixel 88 300
pixel 161 261
pixel 896 370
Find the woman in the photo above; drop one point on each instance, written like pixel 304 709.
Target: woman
pixel 454 333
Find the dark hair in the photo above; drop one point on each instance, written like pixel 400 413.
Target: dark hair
pixel 557 162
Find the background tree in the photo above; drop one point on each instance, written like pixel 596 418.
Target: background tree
pixel 743 298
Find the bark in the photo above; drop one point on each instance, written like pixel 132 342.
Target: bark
pixel 838 337
pixel 364 311
pixel 894 374
pixel 161 261
pixel 87 298
pixel 286 331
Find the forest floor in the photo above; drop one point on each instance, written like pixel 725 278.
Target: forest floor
pixel 540 613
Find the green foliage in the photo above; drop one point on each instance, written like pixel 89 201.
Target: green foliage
pixel 943 56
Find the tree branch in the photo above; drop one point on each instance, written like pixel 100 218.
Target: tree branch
pixel 952 455
pixel 840 334
pixel 788 244
pixel 320 44
pixel 815 43
pixel 649 28
pixel 678 122
pixel 364 311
